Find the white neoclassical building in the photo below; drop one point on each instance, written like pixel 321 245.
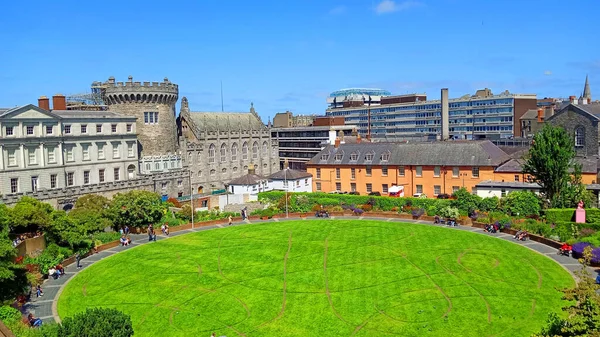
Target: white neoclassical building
pixel 46 150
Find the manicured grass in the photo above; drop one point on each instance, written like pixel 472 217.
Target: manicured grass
pixel 325 278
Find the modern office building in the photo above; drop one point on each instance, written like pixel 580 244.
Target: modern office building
pixel 298 145
pixel 413 117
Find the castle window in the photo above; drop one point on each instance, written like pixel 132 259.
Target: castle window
pixel 580 137
pixel 223 152
pixel 151 117
pixel 212 172
pixel 113 128
pixel 234 150
pixel 255 150
pixel 211 153
pixel 224 171
pixel 265 149
pixel 199 173
pixel 245 151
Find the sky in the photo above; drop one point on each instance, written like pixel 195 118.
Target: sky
pixel 290 54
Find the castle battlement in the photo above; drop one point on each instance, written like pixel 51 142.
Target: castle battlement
pixel 164 87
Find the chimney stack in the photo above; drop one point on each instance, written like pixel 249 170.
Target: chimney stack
pixel 573 99
pixel 59 102
pixel 286 164
pixel 337 143
pixel 540 115
pixel 358 139
pixel 44 103
pixel 445 115
pixel 251 169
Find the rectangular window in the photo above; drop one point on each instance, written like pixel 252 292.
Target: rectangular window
pixel 67 129
pixel 129 127
pixel 353 187
pixel 179 183
pixel 455 172
pixel 502 193
pixel 318 186
pixel 49 129
pixel 305 182
pixel 419 171
pixel 70 181
pixel 34 184
pixel 437 189
pixel 101 175
pixel 369 188
pixel 384 188
pixel 117 174
pixel 368 171
pixel 29 130
pixel 86 177
pixel 85 149
pixel 384 171
pixel 338 187
pixel 151 117
pixel 436 171
pixel 53 181
pixel 130 150
pixel 83 128
pixel 338 173
pixel 455 189
pixel 401 171
pixel 516 178
pixel 12 157
pixel 318 173
pixel 98 128
pixel 9 130
pixel 14 185
pixel 116 150
pixel 475 172
pixel 69 150
pixel 101 151
pixel 353 173
pixel 419 188
pixel 113 128
pixel 32 157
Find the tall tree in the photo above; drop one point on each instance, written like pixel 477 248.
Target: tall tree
pixel 31 214
pixel 550 160
pixel 136 208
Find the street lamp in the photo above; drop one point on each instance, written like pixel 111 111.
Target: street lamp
pixel 286 190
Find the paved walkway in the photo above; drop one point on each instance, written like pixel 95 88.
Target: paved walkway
pixel 45 307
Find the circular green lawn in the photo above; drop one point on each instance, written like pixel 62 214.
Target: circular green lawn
pixel 325 278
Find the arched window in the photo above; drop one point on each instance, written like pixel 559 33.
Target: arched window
pixel 255 150
pixel 265 149
pixel 245 151
pixel 234 151
pixel 580 136
pixel 223 152
pixel 224 170
pixel 212 172
pixel 199 173
pixel 235 169
pixel 211 153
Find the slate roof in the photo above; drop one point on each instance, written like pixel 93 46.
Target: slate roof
pixel 247 179
pixel 507 184
pixel 588 165
pixel 530 114
pixel 592 110
pixel 451 153
pixel 225 121
pixel 77 114
pixel 289 174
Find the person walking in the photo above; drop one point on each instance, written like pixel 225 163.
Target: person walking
pixel 126 230
pixel 150 232
pixel 77 259
pixel 230 220
pixel 38 291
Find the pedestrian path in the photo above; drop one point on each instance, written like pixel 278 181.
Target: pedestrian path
pixel 45 307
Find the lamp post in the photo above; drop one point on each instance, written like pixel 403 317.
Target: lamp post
pixel 192 199
pixel 286 191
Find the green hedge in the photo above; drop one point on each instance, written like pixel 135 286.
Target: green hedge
pixel 326 199
pixel 554 215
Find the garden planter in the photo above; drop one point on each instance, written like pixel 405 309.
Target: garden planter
pixel 303 215
pixel 264 218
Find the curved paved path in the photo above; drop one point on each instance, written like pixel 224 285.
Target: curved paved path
pixel 45 307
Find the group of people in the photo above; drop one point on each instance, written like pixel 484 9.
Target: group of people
pixel 165 229
pixel 521 235
pixel 125 240
pixel 56 271
pixel 449 222
pixel 565 249
pixel 23 237
pixel 491 228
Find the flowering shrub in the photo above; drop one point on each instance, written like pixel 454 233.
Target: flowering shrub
pixel 579 247
pixel 357 210
pixel 366 207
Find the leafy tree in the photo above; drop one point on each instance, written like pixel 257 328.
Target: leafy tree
pixel 94 202
pixel 583 311
pixel 136 208
pixel 522 203
pixel 31 214
pixel 97 322
pixel 549 161
pixel 489 204
pixel 12 277
pixel 75 228
pixel 465 201
pixel 575 191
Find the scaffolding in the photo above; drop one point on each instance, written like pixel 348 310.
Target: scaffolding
pixel 88 101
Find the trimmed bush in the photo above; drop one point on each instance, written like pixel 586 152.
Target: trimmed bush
pixel 555 215
pixel 592 215
pixel 98 322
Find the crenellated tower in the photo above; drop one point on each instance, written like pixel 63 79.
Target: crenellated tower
pixel 153 104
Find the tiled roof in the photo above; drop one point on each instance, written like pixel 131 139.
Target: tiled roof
pixel 289 174
pixel 248 179
pixel 225 121
pixel 451 153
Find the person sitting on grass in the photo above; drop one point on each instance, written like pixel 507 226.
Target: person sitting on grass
pixel 34 322
pixel 523 236
pixel 124 241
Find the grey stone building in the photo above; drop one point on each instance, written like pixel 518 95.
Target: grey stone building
pixel 581 121
pixel 47 150
pixel 220 146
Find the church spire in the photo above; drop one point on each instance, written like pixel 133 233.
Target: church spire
pixel 587 94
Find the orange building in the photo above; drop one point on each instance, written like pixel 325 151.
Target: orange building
pixel 428 169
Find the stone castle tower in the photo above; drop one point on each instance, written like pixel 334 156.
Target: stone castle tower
pixel 153 104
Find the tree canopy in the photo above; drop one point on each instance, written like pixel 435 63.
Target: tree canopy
pixel 136 208
pixel 31 214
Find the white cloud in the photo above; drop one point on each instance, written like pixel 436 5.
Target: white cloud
pixel 338 10
pixel 547 73
pixel 390 6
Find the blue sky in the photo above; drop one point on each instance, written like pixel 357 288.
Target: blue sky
pixel 289 55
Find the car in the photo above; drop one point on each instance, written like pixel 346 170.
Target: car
pixel 377 194
pixel 420 195
pixel 443 196
pixel 354 193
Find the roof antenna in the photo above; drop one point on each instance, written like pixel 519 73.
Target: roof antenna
pixel 222 110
